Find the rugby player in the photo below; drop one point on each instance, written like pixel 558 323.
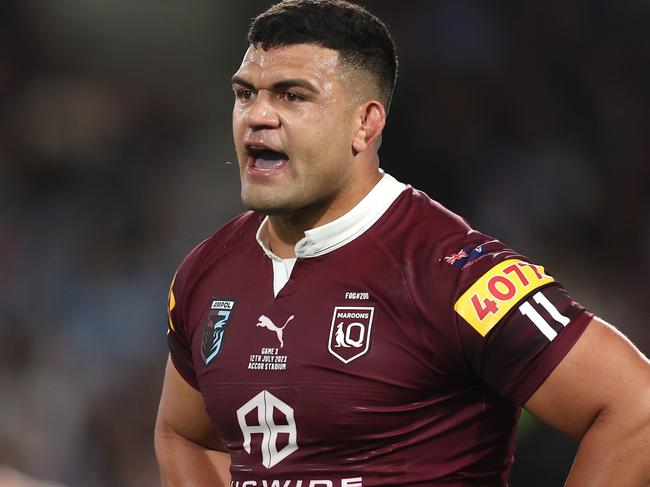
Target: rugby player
pixel 348 330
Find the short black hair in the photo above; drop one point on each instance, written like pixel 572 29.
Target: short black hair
pixel 361 39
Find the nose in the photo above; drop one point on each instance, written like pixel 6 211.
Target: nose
pixel 262 113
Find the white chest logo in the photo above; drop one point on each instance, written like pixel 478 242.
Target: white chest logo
pixel 269 409
pixel 350 332
pixel 265 322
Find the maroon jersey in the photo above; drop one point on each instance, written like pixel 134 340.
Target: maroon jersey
pixel 396 351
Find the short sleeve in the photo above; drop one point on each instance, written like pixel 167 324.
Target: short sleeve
pixel 178 337
pixel 514 320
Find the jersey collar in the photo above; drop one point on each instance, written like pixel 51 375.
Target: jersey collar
pixel 337 233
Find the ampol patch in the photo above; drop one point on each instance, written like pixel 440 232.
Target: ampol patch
pixel 215 328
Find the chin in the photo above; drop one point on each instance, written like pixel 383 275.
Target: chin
pixel 265 206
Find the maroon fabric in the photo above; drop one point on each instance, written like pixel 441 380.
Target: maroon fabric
pixel 431 401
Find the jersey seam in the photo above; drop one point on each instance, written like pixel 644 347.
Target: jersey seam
pixel 414 308
pixel 201 250
pixel 187 285
pixel 456 320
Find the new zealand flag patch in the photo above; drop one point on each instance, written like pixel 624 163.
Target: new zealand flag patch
pixel 215 328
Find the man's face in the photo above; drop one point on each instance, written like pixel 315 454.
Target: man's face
pixel 293 124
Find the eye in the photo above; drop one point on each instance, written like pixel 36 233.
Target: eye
pixel 243 94
pixel 292 97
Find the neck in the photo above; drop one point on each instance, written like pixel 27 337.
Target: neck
pixel 285 231
pixel 284 234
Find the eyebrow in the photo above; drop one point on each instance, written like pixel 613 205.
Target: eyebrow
pixel 278 86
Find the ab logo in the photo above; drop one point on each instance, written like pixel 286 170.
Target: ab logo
pixel 350 332
pixel 268 406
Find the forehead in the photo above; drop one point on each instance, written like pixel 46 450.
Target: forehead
pixel 316 63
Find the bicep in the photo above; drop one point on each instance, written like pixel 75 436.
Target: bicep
pixel 188 449
pixel 602 374
pixel 182 412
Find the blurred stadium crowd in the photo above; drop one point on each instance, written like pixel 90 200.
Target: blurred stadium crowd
pixel 532 119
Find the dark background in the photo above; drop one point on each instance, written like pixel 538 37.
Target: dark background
pixel 532 119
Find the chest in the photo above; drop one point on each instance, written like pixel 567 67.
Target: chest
pixel 340 348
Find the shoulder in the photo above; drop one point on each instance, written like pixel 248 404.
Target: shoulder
pixel 417 207
pixel 438 249
pixel 420 229
pixel 235 235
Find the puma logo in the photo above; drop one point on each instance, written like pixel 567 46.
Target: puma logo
pixel 265 322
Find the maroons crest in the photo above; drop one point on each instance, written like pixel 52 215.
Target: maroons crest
pixel 350 332
pixel 215 328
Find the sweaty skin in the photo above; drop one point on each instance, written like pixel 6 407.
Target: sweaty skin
pixel 297 101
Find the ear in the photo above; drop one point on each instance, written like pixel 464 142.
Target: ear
pixel 372 118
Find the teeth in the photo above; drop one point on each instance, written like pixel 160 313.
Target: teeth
pixel 265 152
pixel 257 150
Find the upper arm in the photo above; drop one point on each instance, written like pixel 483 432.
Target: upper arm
pixel 188 449
pixel 603 374
pixel 182 413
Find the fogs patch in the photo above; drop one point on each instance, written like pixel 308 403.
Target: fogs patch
pixel 350 332
pixel 215 328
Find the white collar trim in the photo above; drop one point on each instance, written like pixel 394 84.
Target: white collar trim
pixel 337 233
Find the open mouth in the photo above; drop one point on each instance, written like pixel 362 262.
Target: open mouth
pixel 265 159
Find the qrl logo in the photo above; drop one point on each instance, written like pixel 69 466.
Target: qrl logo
pixel 350 332
pixel 266 403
